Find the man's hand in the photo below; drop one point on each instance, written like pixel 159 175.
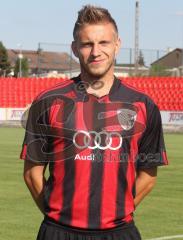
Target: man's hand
pixel 145 182
pixel 35 181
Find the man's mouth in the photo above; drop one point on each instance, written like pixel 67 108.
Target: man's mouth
pixel 97 61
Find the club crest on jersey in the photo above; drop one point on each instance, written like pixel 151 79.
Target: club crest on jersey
pixel 126 118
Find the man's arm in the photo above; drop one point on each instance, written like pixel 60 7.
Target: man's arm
pixel 35 181
pixel 145 182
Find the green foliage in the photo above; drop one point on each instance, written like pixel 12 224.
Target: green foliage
pixel 4 63
pixel 141 61
pixel 24 67
pixel 158 70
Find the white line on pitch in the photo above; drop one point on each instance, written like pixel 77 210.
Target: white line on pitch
pixel 168 237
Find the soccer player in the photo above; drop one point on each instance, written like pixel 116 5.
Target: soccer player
pixel 101 139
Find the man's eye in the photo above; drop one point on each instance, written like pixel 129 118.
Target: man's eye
pixel 104 43
pixel 86 45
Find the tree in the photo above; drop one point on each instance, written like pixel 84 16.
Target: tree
pixel 4 63
pixel 158 70
pixel 141 59
pixel 24 67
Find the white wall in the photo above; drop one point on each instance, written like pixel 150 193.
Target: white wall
pixel 172 117
pixel 11 114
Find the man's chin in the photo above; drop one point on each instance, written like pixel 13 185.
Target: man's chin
pixel 97 73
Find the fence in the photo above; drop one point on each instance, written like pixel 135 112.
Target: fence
pixel 59 58
pixel 125 56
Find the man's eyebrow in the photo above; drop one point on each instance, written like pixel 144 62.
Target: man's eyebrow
pixel 86 41
pixel 91 42
pixel 105 41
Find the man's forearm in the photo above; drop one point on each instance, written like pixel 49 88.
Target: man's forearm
pixel 36 188
pixel 145 182
pixel 35 181
pixel 141 191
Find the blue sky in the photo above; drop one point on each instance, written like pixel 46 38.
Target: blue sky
pixel 30 22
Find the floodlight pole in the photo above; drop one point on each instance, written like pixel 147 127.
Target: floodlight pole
pixel 181 67
pixel 38 58
pixel 136 54
pixel 20 56
pixel 181 15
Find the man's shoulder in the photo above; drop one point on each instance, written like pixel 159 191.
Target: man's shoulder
pixel 132 90
pixel 63 86
pixel 134 94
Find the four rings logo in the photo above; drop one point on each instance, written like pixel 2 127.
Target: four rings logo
pixel 101 140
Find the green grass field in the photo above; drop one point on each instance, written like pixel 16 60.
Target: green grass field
pixel 160 214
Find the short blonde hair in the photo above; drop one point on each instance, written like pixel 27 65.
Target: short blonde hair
pixel 92 15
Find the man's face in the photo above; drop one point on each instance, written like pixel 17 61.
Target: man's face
pixel 96 48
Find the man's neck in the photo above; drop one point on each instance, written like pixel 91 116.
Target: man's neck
pixel 98 86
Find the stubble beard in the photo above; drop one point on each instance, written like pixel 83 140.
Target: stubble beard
pixel 87 71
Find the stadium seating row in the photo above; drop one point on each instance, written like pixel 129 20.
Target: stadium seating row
pixel 167 92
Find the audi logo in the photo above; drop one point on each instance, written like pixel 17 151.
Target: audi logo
pixel 93 140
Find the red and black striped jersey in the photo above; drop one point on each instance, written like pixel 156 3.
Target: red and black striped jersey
pixel 93 147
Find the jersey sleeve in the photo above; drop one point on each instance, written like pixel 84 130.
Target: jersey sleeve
pixel 35 144
pixel 151 151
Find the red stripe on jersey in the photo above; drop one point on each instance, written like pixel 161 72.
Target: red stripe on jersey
pixel 109 189
pixel 141 116
pixel 128 218
pixel 24 152
pixel 83 163
pixel 130 174
pixel 56 197
pixel 110 178
pixel 56 111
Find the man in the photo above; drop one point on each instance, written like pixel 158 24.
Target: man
pixel 101 139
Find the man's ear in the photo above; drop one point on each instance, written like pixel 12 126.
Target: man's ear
pixel 74 48
pixel 118 46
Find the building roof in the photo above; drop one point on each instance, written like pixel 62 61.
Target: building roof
pixel 59 61
pixel 173 59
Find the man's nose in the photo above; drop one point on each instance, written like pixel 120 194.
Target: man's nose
pixel 95 50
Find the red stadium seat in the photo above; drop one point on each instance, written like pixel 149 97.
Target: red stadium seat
pixel 167 92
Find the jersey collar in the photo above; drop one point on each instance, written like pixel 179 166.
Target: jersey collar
pixel 80 88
